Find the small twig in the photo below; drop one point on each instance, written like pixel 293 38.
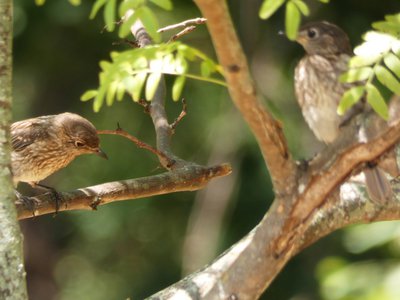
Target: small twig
pixel 196 21
pixel 181 115
pixel 132 43
pixel 145 104
pixel 119 131
pixel 181 33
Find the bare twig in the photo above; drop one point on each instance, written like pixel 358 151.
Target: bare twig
pixel 196 21
pixel 119 131
pixel 181 115
pixel 182 33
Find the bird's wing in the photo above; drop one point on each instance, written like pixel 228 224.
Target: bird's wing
pixel 26 132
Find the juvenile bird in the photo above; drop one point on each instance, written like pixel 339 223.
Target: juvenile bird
pixel 319 91
pixel 43 145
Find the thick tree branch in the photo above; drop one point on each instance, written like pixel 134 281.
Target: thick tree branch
pixel 265 128
pixel 12 271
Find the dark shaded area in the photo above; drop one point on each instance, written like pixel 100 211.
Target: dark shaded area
pixel 133 248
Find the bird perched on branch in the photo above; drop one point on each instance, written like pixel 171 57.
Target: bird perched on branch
pixel 319 91
pixel 43 145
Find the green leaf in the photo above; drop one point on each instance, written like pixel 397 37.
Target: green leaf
pixel 165 4
pixel 129 4
pixel 125 28
pixel 109 15
pixel 393 18
pixel 138 86
pixel 89 95
pixel 358 74
pixel 177 88
pixel 151 85
pixel 269 7
pixel 96 7
pixel 387 79
pixel 376 101
pixel 98 101
pixel 302 7
pixel 393 63
pixel 112 89
pixel 388 27
pixel 362 61
pixel 324 1
pixel 205 69
pixel 120 91
pixel 349 98
pixel 149 21
pixel 292 20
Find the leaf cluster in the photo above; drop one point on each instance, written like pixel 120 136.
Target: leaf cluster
pixel 376 59
pixel 135 70
pixel 293 12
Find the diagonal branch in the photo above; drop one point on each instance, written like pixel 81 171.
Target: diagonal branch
pixel 265 128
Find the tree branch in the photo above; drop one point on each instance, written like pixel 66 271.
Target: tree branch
pixel 12 270
pixel 188 178
pixel 265 128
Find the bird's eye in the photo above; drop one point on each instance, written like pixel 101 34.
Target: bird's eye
pixel 79 144
pixel 312 33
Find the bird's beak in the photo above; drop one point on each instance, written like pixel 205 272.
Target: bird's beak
pixel 101 153
pixel 301 38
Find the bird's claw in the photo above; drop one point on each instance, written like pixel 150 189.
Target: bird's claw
pixel 26 201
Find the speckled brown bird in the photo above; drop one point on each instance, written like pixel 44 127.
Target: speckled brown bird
pixel 43 145
pixel 318 91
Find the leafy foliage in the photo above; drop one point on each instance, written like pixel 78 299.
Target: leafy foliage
pixel 294 10
pixel 376 59
pixel 141 69
pixel 130 11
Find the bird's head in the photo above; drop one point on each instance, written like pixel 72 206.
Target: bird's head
pixel 81 134
pixel 323 38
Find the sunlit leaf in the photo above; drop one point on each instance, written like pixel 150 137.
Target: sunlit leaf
pixel 393 63
pixel 376 101
pixel 292 20
pixel 98 101
pixel 112 89
pixel 302 7
pixel 177 88
pixel 129 4
pixel 109 15
pixel 350 97
pixel 90 94
pixel 387 79
pixel 269 7
pixel 324 1
pixel 125 28
pixel 139 81
pixel 96 7
pixel 165 4
pixel 388 27
pixel 120 91
pixel 40 2
pixel 362 61
pixel 149 21
pixel 358 74
pixel 151 85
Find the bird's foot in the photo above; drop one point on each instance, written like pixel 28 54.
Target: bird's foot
pixel 55 196
pixel 26 201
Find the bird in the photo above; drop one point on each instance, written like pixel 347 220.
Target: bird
pixel 46 144
pixel 318 91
